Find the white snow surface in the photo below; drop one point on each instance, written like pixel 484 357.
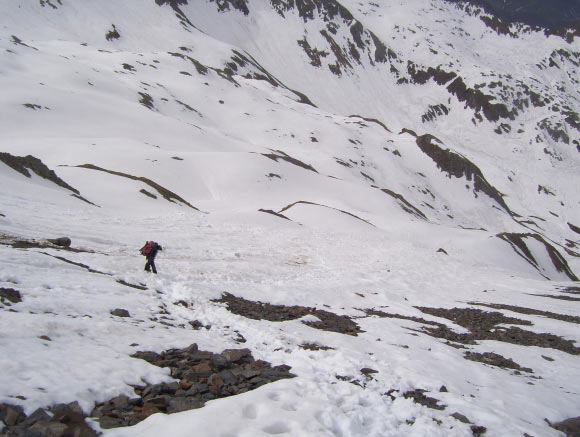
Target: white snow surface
pixel 219 143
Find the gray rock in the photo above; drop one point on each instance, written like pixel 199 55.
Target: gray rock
pixel 107 422
pixel 171 388
pixel 220 362
pixel 11 414
pixel 183 404
pixel 571 427
pixel 39 416
pixel 120 402
pixel 235 355
pixel 148 356
pixel 120 312
pixel 460 417
pixel 228 377
pixel 61 241
pixel 192 349
pixel 51 429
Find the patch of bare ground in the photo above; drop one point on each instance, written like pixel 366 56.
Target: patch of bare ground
pixel 23 243
pixel 279 313
pixel 551 296
pixel 530 311
pixel 458 166
pixel 304 202
pixel 404 204
pixel 315 347
pixel 278 154
pixel 418 396
pixel 22 164
pixel 496 360
pixel 167 194
pixel 483 325
pixel 518 243
pixel 570 427
pixel 570 290
pixel 372 120
pixel 269 211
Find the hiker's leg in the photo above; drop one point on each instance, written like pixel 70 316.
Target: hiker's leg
pixel 148 265
pixel 153 266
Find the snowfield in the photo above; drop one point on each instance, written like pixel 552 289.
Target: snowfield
pixel 450 249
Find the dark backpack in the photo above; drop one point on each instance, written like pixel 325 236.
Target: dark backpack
pixel 146 250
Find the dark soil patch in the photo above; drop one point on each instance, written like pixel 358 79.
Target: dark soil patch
pixel 521 310
pixel 280 313
pixel 493 359
pixel 200 376
pixel 418 396
pixel 483 325
pixel 382 314
pixel 315 347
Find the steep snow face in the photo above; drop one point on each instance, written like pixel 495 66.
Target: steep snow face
pixel 384 161
pixel 206 106
pixel 484 88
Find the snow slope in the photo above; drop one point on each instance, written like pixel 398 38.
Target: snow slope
pixel 265 176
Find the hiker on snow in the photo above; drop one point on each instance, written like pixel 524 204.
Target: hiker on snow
pixel 150 251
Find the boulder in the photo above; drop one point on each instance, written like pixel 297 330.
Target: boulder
pixel 10 294
pixel 61 241
pixel 11 414
pixel 120 312
pixel 570 427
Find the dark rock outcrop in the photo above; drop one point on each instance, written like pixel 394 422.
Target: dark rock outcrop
pixel 10 295
pixel 61 241
pixel 200 376
pixel 570 427
pixel 459 166
pixel 518 242
pixel 61 420
pixel 167 195
pixel 24 163
pixel 120 312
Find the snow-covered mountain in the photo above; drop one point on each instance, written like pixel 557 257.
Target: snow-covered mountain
pixel 379 160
